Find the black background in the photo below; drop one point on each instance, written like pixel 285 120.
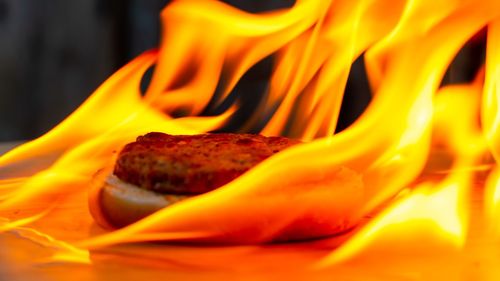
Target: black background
pixel 54 53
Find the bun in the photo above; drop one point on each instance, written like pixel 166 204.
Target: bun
pixel 125 203
pixel 323 207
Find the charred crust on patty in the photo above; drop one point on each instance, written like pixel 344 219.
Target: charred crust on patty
pixel 193 164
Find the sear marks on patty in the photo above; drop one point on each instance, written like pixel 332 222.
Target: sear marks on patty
pixel 193 164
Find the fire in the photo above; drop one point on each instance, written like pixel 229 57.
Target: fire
pixel 432 216
pixel 207 47
pixel 426 221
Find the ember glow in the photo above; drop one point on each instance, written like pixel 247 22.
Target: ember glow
pixel 207 47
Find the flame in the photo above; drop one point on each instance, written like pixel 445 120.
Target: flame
pixel 490 114
pixel 491 121
pixel 434 216
pixel 332 180
pixel 430 218
pixel 492 201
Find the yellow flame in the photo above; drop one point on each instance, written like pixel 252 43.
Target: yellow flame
pixel 63 251
pixel 490 117
pixel 429 215
pixel 116 116
pixel 435 215
pixel 330 181
pixel 492 201
pixel 490 113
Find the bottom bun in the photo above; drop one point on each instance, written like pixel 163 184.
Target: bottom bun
pixel 114 203
pixel 287 211
pixel 125 203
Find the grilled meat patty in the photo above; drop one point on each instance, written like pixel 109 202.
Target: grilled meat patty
pixel 193 164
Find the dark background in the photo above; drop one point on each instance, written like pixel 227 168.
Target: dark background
pixel 55 53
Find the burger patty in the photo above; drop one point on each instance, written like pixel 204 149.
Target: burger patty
pixel 193 164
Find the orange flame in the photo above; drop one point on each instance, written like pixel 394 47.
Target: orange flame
pixel 428 220
pixel 432 218
pixel 332 180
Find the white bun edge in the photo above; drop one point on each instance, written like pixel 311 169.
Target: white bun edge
pixel 115 203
